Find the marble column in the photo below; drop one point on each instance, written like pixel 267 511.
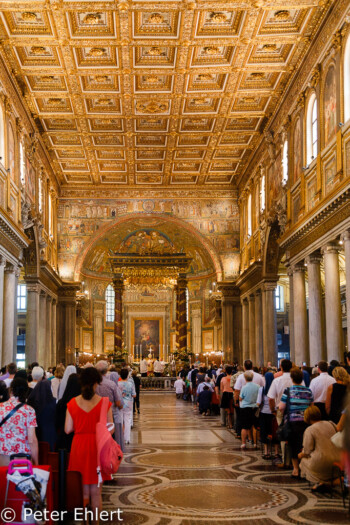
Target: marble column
pixel 54 330
pixel 252 338
pixel 118 284
pixel 182 315
pixel 2 277
pixel 269 323
pixel 230 295
pixel 99 307
pixel 316 336
pixel 196 318
pixel 259 347
pixel 48 350
pixel 245 326
pixel 42 331
pixel 70 326
pixel 291 316
pixel 346 241
pixel 334 335
pixel 32 323
pixel 176 349
pixel 301 336
pixel 9 339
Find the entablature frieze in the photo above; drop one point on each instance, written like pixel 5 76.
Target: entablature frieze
pixel 165 193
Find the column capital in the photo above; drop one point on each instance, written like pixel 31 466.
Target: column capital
pixel 290 271
pixel 2 260
pixel 228 290
pixel 258 293
pixel 314 258
pixel 330 248
pixel 54 301
pixel 32 288
pixel 251 298
pixel 49 298
pixel 244 301
pixel 299 268
pixel 118 283
pixel 182 281
pixel 43 294
pixel 345 236
pixel 269 286
pixel 12 268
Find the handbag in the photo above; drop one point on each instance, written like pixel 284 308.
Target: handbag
pixel 338 439
pixel 10 414
pixel 109 453
pixel 284 431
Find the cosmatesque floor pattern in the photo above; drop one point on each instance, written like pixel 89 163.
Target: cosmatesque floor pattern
pixel 185 469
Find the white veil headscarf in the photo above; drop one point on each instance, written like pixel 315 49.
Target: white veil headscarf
pixel 71 369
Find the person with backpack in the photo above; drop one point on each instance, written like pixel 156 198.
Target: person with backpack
pixel 83 415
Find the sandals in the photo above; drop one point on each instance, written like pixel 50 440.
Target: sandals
pixel 243 447
pixel 266 456
pixel 320 488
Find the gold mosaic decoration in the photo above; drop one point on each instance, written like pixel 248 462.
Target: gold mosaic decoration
pixel 154 93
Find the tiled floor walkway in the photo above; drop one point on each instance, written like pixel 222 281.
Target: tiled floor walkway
pixel 184 469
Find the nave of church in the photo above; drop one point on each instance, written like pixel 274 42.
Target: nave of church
pixel 183 469
pixel 175 196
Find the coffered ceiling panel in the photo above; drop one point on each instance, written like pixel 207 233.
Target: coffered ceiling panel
pixel 160 94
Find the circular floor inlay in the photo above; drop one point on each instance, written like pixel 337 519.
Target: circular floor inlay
pixel 221 497
pixel 211 497
pixel 191 458
pixel 326 516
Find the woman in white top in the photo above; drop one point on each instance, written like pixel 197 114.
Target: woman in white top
pixel 55 382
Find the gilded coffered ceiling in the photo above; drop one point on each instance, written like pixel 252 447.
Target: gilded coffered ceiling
pixel 166 94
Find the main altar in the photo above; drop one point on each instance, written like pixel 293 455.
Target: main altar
pixel 153 265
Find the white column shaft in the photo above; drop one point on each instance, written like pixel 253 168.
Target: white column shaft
pixel 301 336
pixel 9 343
pixel 2 277
pixel 316 339
pixel 245 325
pixel 32 325
pixel 346 241
pixel 259 348
pixel 252 340
pixel 269 323
pixel 334 336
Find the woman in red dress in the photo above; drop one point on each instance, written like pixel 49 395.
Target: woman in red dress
pixel 83 413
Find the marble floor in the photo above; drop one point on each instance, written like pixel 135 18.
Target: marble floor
pixel 185 469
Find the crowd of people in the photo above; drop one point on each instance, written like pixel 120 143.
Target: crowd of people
pixel 61 407
pixel 295 413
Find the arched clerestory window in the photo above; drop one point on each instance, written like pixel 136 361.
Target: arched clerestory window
pixel 262 193
pixel 110 303
pixel 249 215
pixel 347 81
pixel 285 167
pixel 312 129
pixel 22 163
pixel 2 136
